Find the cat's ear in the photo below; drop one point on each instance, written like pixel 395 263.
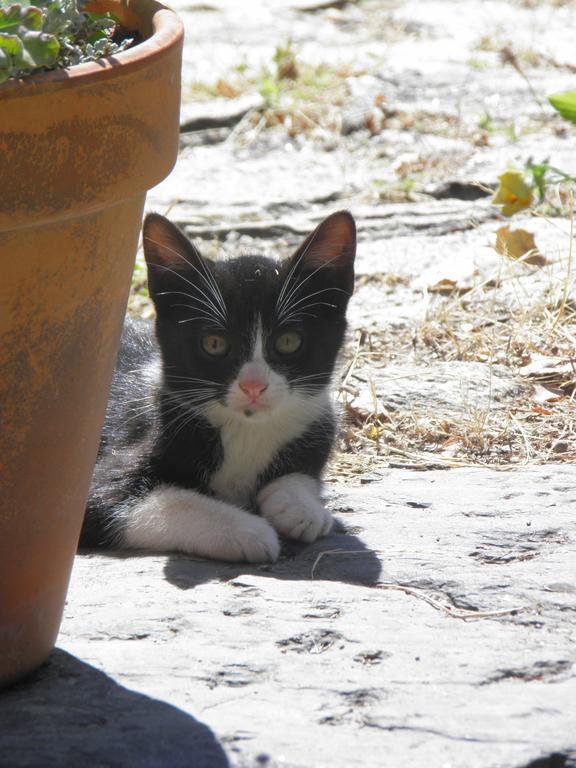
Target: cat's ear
pixel 169 254
pixel 332 245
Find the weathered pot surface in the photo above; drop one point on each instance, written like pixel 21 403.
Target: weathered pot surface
pixel 79 149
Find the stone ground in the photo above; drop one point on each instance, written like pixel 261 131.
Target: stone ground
pixel 436 625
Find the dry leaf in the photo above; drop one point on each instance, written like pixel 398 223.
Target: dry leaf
pixel 454 440
pixel 544 395
pixel 541 411
pixel 447 287
pixel 519 244
pixel 225 89
pixel 556 375
pixel 374 122
pixel 546 367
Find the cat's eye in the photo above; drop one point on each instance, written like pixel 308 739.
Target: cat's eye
pixel 215 344
pixel 288 343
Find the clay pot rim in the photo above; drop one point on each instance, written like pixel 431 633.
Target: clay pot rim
pixel 168 31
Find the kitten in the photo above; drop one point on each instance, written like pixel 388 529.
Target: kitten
pixel 219 424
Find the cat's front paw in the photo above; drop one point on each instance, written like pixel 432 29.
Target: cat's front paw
pixel 292 506
pixel 250 539
pixel 177 519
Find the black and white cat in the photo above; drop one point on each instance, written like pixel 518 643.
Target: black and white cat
pixel 219 425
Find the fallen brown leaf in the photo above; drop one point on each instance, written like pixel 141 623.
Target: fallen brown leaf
pixel 446 287
pixel 519 245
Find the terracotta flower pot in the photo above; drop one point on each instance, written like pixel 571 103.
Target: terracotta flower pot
pixel 78 151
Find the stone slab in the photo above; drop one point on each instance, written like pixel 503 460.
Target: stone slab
pixel 434 627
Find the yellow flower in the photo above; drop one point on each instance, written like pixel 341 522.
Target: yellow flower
pixel 373 432
pixel 513 194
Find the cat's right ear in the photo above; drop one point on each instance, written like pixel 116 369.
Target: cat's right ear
pixel 332 248
pixel 170 256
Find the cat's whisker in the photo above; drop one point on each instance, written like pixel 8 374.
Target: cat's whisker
pixel 289 277
pixel 215 288
pixel 203 317
pixel 191 380
pixel 139 399
pixel 185 380
pixel 208 300
pixel 143 406
pixel 311 376
pixel 307 296
pixel 215 325
pixel 206 275
pixel 203 300
pixel 189 402
pixel 180 394
pixel 134 416
pixel 190 416
pixel 212 309
pixel 193 386
pixel 210 281
pixel 143 412
pixel 169 397
pixel 191 397
pixel 316 304
pixel 291 273
pixel 176 416
pixel 296 316
pixel 293 292
pixel 133 370
pixel 175 411
pixel 207 315
pixel 290 303
pixel 317 373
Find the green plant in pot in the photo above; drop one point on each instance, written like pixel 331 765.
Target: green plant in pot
pixel 89 124
pixel 51 34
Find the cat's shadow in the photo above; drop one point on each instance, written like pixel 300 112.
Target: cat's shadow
pixel 341 556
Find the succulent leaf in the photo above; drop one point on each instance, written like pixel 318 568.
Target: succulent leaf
pixel 40 49
pixel 15 16
pixel 565 103
pixel 5 66
pixel 11 45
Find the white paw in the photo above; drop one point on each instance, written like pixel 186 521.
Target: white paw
pixel 292 506
pixel 249 539
pixel 176 519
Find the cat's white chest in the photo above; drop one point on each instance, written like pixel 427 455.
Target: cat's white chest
pixel 247 452
pixel 250 447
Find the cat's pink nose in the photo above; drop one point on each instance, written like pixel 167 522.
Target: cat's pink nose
pixel 253 388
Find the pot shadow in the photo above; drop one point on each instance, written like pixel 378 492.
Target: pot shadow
pixel 69 714
pixel 341 556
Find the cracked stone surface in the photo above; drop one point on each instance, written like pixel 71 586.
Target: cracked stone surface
pixel 436 625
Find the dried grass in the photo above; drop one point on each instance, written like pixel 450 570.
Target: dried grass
pixel 517 316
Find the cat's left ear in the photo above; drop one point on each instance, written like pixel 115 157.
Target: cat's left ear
pixel 169 254
pixel 332 245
